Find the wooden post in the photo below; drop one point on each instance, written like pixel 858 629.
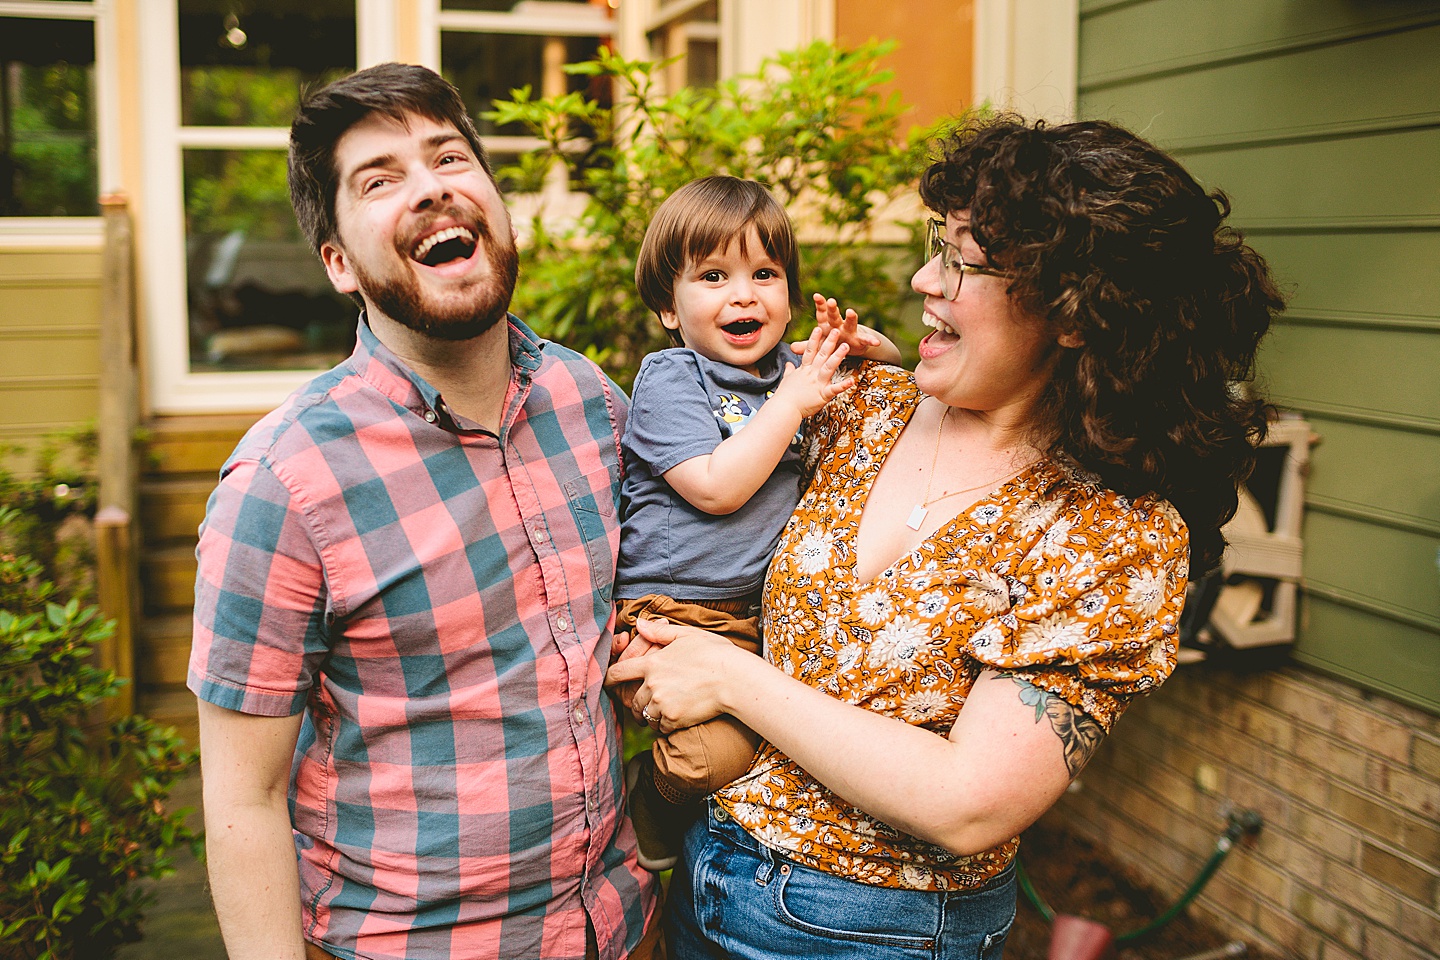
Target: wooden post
pixel 117 575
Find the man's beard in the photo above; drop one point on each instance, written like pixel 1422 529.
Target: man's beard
pixel 402 300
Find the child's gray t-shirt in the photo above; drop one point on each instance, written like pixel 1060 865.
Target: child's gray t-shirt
pixel 682 406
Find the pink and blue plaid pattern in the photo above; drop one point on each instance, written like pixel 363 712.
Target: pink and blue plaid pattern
pixel 438 601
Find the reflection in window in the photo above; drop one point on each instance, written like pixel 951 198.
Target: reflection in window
pixel 258 298
pixel 47 118
pixel 487 66
pixel 246 64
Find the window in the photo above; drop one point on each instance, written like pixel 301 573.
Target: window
pixel 49 164
pixel 688 29
pixel 491 47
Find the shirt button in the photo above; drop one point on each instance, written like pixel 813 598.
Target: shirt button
pixel 429 416
pixel 540 535
pixel 590 803
pixel 579 715
pixel 562 622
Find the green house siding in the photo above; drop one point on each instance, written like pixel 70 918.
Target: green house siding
pixel 1321 120
pixel 49 337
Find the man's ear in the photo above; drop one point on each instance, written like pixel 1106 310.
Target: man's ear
pixel 337 268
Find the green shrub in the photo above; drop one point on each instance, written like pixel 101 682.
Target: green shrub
pixel 82 813
pixel 812 124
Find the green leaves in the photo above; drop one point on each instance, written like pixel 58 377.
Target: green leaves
pixel 815 125
pixel 82 813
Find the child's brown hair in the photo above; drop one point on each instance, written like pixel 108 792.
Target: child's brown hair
pixel 701 217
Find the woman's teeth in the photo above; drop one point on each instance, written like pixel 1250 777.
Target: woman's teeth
pixel 930 320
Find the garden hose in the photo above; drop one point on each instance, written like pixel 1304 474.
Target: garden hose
pixel 1239 823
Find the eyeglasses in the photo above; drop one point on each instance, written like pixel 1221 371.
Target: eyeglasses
pixel 952 267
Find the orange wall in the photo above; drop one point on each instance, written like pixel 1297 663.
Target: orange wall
pixel 935 56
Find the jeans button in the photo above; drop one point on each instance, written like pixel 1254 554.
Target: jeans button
pixel 720 815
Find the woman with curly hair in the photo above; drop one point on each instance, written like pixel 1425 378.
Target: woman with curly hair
pixel 989 563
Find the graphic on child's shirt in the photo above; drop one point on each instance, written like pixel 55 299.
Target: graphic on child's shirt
pixel 734 412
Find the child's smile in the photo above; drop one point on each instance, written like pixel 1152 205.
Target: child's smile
pixel 733 306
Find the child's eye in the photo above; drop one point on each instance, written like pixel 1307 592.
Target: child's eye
pixel 766 273
pixel 712 276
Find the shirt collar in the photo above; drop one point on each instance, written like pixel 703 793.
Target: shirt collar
pixel 374 362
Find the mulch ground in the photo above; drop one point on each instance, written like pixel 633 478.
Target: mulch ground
pixel 1077 877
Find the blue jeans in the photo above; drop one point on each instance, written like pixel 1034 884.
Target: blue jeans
pixel 732 897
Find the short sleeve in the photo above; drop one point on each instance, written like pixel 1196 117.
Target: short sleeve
pixel 1094 605
pixel 670 419
pixel 260 599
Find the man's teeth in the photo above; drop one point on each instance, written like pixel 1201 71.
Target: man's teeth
pixel 930 320
pixel 449 233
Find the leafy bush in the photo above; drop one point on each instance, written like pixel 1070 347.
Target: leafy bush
pixel 82 813
pixel 812 124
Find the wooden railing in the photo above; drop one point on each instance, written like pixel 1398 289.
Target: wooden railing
pixel 115 533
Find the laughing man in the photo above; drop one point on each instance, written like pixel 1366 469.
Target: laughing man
pixel 404 590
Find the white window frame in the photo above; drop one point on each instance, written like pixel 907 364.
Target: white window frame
pixel 70 232
pixel 173 386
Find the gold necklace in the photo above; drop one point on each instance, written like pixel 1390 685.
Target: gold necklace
pixel 918 512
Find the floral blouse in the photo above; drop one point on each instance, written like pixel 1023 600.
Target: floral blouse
pixel 1051 577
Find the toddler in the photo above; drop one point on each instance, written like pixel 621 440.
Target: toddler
pixel 712 455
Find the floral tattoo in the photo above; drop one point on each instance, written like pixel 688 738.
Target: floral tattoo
pixel 1079 734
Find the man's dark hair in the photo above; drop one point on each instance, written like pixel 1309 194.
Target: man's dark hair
pixel 394 90
pixel 1113 242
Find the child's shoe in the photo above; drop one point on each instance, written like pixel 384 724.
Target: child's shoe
pixel 658 827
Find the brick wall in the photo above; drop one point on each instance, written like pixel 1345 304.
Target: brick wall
pixel 1348 863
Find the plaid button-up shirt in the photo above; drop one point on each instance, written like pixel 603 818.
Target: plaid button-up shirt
pixel 437 600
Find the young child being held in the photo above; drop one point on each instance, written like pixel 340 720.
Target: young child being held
pixel 713 456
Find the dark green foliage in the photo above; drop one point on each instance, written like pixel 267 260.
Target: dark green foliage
pixel 82 813
pixel 813 125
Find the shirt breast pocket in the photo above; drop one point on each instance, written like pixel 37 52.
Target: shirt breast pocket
pixel 592 503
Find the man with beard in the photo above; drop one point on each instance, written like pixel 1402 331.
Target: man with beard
pixel 404 593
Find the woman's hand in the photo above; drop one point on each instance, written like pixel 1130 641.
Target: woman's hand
pixel 683 684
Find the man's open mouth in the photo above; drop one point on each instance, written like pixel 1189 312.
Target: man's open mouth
pixel 741 328
pixel 444 246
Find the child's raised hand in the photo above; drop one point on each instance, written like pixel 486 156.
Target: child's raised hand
pixel 812 384
pixel 859 339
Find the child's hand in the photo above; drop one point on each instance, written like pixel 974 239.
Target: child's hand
pixel 862 341
pixel 812 384
pixel 827 317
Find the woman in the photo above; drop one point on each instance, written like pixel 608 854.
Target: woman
pixel 990 562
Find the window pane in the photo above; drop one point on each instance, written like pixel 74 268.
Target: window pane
pixel 47 118
pixel 485 66
pixel 503 5
pixel 249 68
pixel 258 298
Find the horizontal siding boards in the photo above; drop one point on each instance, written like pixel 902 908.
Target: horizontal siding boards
pixel 1359 277
pixel 1374 373
pixel 1321 120
pixel 1120 40
pixel 1390 476
pixel 50 340
pixel 1387 80
pixel 1395 658
pixel 1393 570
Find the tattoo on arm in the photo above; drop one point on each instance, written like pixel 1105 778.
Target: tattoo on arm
pixel 1079 734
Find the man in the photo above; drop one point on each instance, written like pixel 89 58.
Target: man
pixel 404 594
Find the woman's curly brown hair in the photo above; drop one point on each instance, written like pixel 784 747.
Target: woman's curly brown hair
pixel 1111 240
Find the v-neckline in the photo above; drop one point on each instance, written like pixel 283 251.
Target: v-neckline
pixel 926 543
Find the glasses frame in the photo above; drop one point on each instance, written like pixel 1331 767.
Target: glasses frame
pixel 952 274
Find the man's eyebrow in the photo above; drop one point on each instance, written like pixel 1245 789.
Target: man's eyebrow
pixel 434 142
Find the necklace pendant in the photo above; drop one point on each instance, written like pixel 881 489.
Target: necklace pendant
pixel 917 517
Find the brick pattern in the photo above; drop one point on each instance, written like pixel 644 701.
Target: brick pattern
pixel 1348 863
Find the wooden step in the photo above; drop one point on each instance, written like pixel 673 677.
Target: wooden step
pixel 171 507
pixel 162 654
pixel 171 707
pixel 167 579
pixel 193 444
